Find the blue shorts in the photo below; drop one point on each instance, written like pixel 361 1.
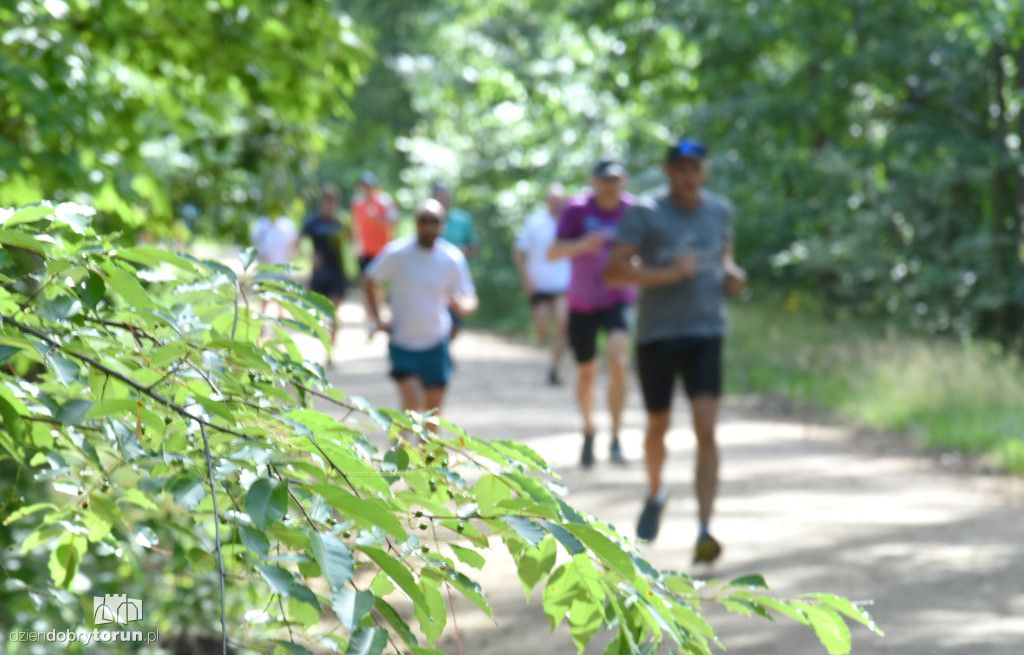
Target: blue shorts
pixel 433 366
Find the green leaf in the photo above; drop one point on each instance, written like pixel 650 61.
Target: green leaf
pixel 470 590
pixel 6 352
pixel 73 412
pixel 26 510
pixel 279 580
pixel 846 607
pixel 93 290
pixel 611 554
pixel 255 541
pixel 20 240
pixel 67 371
pixel 14 422
pixel 127 443
pixel 395 620
pixel 367 641
pixel 754 580
pixel 351 606
pixel 188 489
pixel 65 558
pixel 830 628
pixel 128 286
pixel 398 573
pixel 293 649
pixel 335 558
pixel 266 502
pixel 366 512
pixel 535 563
pixel 28 214
pixel 468 556
pixel 525 528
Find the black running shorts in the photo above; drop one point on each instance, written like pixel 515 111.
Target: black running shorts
pixel 584 326
pixel 697 359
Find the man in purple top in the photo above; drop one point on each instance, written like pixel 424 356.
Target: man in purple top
pixel 585 232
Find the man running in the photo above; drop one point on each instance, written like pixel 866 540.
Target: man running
pixel 327 233
pixel 544 282
pixel 584 234
pixel 374 216
pixel 678 249
pixel 460 231
pixel 428 276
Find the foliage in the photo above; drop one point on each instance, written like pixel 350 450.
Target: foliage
pixel 155 445
pixel 963 397
pixel 143 107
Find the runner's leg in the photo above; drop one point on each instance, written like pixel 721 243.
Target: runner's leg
pixel 411 393
pixel 618 370
pixel 561 312
pixel 541 312
pixel 434 399
pixel 705 414
pixel 655 451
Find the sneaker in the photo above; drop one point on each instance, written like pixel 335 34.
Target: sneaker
pixel 707 551
pixel 553 379
pixel 587 456
pixel 616 452
pixel 650 520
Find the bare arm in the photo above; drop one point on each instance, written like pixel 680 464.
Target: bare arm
pixel 464 304
pixel 623 269
pixel 371 291
pixel 584 245
pixel 735 277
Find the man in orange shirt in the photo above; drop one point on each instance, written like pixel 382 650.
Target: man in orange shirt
pixel 373 218
pixel 374 215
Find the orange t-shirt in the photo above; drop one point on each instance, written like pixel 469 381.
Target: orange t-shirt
pixel 374 221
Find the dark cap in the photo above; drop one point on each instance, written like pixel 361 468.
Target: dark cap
pixel 687 149
pixel 609 168
pixel 368 178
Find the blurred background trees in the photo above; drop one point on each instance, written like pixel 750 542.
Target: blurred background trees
pixel 873 150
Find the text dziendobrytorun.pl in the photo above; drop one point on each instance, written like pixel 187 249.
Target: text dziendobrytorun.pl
pixel 85 637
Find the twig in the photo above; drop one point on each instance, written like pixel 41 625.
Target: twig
pixel 216 529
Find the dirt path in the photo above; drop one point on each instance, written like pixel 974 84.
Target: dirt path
pixel 808 502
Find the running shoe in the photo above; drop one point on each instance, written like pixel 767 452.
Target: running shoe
pixel 650 519
pixel 707 551
pixel 616 452
pixel 553 379
pixel 587 456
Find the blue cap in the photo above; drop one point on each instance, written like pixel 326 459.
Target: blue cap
pixel 687 149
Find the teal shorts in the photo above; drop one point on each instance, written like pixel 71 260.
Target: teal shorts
pixel 432 366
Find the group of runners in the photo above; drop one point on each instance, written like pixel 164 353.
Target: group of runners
pixel 603 262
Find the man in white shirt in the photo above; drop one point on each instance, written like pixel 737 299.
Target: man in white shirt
pixel 427 276
pixel 276 241
pixel 544 281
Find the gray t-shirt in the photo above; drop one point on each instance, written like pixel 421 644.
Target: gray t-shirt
pixel 662 231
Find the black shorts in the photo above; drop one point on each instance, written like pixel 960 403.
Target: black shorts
pixel 539 297
pixel 364 261
pixel 698 359
pixel 583 328
pixel 329 282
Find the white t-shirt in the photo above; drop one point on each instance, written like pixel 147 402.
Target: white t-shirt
pixel 536 237
pixel 274 239
pixel 423 281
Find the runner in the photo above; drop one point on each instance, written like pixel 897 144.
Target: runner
pixel 544 282
pixel 276 242
pixel 460 231
pixel 584 234
pixel 428 276
pixel 327 233
pixel 374 216
pixel 684 244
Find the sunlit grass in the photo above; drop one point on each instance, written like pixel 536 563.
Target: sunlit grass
pixel 951 396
